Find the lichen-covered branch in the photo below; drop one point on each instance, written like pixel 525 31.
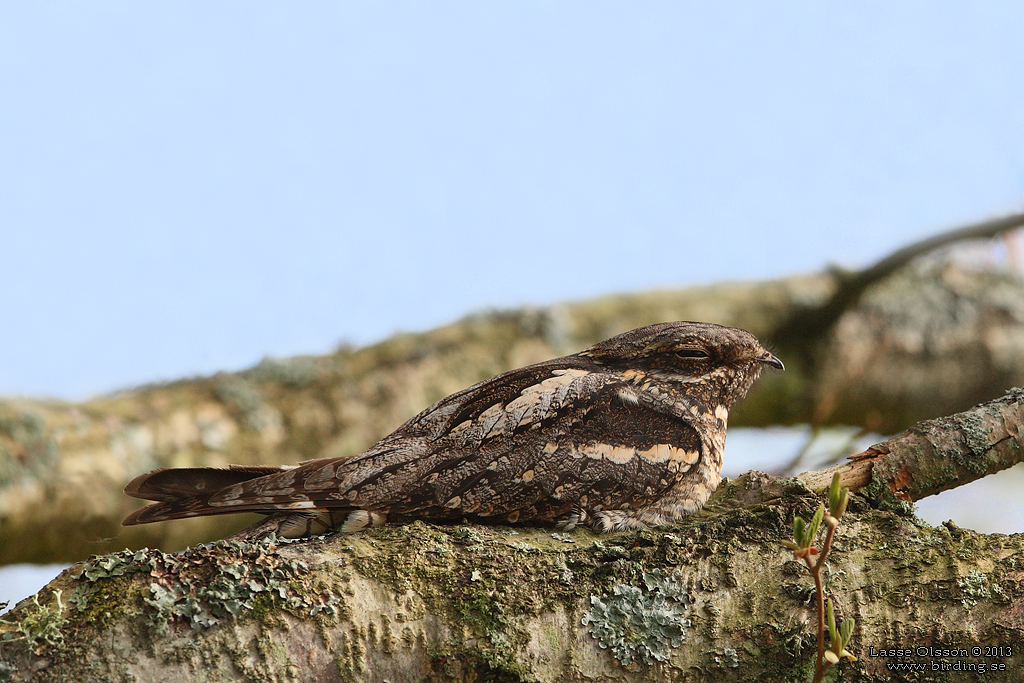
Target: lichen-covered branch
pixel 716 597
pixel 935 455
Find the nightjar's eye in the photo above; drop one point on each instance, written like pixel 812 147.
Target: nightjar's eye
pixel 691 353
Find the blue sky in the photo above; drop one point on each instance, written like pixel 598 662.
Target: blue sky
pixel 187 187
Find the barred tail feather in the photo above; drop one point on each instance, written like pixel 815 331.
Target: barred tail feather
pixel 285 523
pixel 194 506
pixel 168 485
pixel 198 492
pixel 292 510
pixel 186 492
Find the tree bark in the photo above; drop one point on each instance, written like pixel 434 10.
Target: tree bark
pixel 715 597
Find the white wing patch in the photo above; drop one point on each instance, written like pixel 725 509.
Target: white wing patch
pixel 661 452
pixel 533 405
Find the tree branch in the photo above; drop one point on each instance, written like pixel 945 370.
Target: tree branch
pixel 935 455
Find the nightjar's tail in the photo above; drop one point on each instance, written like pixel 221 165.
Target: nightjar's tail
pixel 188 492
pixel 185 492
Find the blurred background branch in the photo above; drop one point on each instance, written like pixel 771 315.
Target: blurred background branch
pixel 807 326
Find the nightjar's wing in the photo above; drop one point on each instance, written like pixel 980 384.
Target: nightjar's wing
pixel 529 444
pixel 577 440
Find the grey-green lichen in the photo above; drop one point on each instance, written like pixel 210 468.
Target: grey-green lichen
pixel 976 434
pixel 729 658
pixel 201 588
pixel 487 596
pixel 641 622
pixel 879 494
pixel 977 586
pixel 40 624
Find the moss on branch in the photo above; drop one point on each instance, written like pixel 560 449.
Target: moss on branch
pixel 715 597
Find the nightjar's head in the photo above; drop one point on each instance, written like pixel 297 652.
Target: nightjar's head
pixel 715 364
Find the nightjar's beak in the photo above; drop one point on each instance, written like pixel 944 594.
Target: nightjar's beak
pixel 769 359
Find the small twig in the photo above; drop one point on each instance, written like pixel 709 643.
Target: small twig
pixel 815 569
pixel 803 548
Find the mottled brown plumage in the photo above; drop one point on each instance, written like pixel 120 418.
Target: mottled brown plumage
pixel 627 433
